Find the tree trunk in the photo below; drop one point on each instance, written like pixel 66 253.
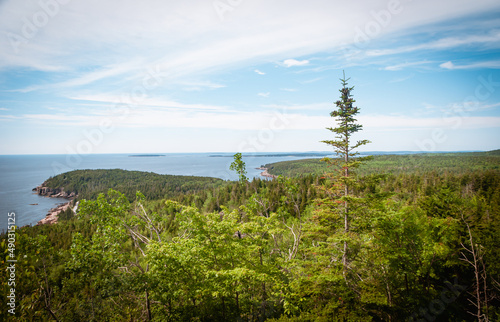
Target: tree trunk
pixel 346 210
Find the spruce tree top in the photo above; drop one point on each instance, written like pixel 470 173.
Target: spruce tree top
pixel 346 123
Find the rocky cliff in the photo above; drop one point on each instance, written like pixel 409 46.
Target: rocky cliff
pixel 53 214
pixel 53 193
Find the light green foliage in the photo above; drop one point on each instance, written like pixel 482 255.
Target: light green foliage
pixel 217 261
pixel 239 166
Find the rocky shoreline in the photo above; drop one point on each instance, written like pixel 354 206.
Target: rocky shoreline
pixel 266 174
pixel 52 216
pixel 41 190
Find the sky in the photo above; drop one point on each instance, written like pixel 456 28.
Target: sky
pixel 160 76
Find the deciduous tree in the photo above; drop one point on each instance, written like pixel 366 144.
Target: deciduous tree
pixel 239 166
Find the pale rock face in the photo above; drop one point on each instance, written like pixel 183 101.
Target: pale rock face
pixel 53 214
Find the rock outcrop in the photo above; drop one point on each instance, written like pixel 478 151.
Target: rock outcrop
pixel 51 217
pixel 266 174
pixel 53 193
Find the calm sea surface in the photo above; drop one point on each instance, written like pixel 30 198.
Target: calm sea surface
pixel 19 174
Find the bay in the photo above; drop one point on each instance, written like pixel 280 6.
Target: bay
pixel 19 174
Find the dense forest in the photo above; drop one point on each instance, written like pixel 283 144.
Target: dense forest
pixel 409 163
pixel 394 238
pixel 426 246
pixel 88 184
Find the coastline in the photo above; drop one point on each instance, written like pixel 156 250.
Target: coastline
pixel 53 215
pixel 266 174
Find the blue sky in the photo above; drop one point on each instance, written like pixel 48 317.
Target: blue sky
pixel 249 76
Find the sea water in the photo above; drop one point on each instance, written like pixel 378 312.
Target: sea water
pixel 19 174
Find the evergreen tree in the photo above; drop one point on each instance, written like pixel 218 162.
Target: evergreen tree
pixel 346 162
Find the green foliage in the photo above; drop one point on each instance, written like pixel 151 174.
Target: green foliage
pixel 88 184
pixel 239 166
pixel 271 250
pixel 334 226
pixel 346 125
pixel 458 163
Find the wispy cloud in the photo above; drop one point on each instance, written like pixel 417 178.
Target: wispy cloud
pixel 459 109
pixel 300 107
pixel 175 36
pixel 405 122
pixel 89 63
pixel 127 100
pixel 241 120
pixel 469 106
pixel 404 65
pixel 87 78
pixel 492 39
pixel 294 62
pixel 494 64
pixel 199 85
pixel 8 117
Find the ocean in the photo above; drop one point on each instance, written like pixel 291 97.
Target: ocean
pixel 19 174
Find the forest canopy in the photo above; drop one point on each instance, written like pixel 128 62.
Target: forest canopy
pixel 88 184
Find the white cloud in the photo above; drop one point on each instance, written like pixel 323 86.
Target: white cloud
pixel 447 65
pixel 190 39
pixel 8 117
pixel 301 107
pixel 294 62
pixel 382 122
pixel 199 85
pixel 88 78
pixel 131 103
pixel 102 73
pixel 290 118
pixel 428 106
pixel 495 64
pixel 468 106
pixel 491 39
pixel 404 65
pixel 105 47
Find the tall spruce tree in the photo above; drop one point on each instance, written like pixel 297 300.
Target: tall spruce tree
pixel 343 178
